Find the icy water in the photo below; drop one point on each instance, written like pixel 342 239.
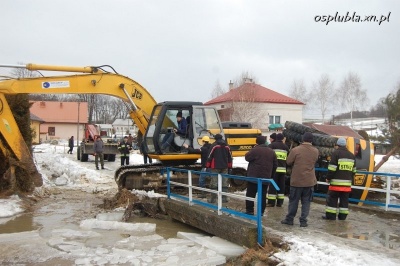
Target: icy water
pixel 67 214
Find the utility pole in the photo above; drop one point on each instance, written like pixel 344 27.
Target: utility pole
pixel 77 130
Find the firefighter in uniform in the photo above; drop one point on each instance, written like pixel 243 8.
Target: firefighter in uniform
pixel 281 150
pixel 341 170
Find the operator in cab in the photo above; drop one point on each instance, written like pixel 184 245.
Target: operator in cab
pixel 181 130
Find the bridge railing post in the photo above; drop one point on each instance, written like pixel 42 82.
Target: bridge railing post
pixel 219 196
pixel 388 186
pixel 259 209
pixel 168 183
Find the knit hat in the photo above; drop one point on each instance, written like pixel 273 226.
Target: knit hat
pixel 179 114
pixel 308 137
pixel 273 136
pixel 261 140
pixel 218 136
pixel 279 137
pixel 341 142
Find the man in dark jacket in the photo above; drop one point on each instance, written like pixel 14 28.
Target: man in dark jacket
pixel 204 151
pixel 302 179
pixel 262 163
pixel 70 144
pixel 180 131
pixel 219 160
pixel 98 148
pixel 272 138
pixel 341 170
pixel 144 153
pixel 124 148
pixel 281 150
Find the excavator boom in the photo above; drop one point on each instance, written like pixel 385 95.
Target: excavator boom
pixel 153 120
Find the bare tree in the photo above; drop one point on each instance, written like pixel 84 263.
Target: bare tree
pixel 217 91
pixel 380 109
pixel 323 91
pixel 299 92
pixel 244 107
pixel 350 94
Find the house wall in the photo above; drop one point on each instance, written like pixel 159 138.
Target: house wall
pixel 287 112
pixel 62 131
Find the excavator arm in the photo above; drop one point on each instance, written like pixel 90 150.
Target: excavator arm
pixel 87 80
pixel 91 80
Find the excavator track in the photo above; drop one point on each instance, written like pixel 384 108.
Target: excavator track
pixel 154 177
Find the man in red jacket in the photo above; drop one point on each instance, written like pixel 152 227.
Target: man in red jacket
pixel 220 161
pixel 262 164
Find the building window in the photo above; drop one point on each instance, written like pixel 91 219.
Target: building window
pixel 52 131
pixel 274 119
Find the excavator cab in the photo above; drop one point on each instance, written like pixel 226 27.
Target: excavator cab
pixel 166 134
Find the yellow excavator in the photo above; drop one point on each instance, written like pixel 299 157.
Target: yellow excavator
pixel 154 121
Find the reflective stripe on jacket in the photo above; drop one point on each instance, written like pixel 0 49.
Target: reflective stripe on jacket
pixel 341 170
pixel 281 150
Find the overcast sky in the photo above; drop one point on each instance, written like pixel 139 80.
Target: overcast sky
pixel 178 50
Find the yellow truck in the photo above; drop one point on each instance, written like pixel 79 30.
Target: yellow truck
pixel 362 149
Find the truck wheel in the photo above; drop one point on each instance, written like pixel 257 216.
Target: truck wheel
pixel 84 157
pixel 111 158
pixel 78 154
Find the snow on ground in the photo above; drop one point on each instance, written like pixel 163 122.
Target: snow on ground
pixel 64 171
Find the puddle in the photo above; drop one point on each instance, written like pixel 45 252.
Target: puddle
pixel 169 228
pixel 388 240
pixel 21 223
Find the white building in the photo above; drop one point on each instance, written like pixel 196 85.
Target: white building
pixel 266 109
pixel 123 127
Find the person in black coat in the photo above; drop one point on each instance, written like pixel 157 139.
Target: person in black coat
pixel 124 148
pixel 281 150
pixel 70 144
pixel 341 171
pixel 204 151
pixel 144 153
pixel 262 164
pixel 220 161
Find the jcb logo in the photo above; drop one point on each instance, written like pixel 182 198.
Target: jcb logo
pixel 137 94
pixel 245 148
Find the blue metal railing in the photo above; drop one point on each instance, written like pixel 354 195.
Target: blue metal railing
pixel 221 209
pixel 258 217
pixel 387 190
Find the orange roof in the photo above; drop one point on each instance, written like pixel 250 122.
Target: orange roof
pixel 254 93
pixel 60 112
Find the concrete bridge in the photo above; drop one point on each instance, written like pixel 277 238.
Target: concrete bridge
pixel 364 223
